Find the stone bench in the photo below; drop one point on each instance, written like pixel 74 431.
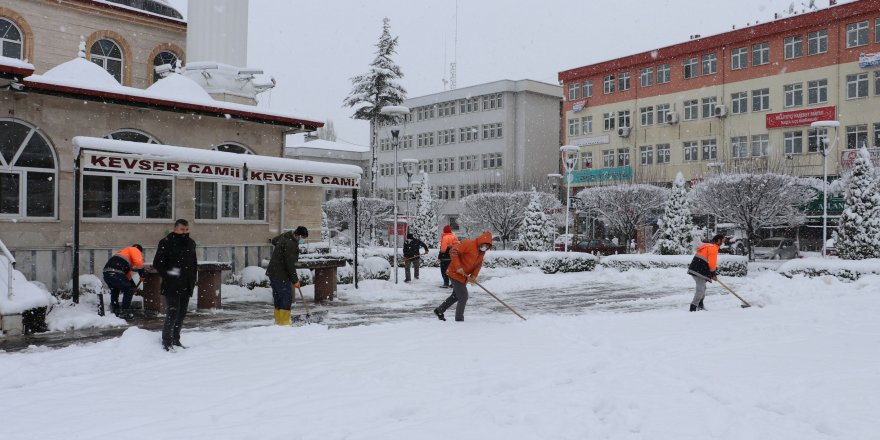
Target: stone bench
pixel 325 275
pixel 209 287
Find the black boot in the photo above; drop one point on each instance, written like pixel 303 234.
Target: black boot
pixel 178 344
pixel 700 306
pixel 693 308
pixel 439 314
pixel 446 304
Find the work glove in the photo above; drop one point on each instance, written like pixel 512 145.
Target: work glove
pixel 472 278
pixel 297 285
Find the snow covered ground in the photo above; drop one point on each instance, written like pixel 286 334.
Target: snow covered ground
pixel 801 364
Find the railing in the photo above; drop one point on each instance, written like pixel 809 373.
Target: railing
pixel 10 263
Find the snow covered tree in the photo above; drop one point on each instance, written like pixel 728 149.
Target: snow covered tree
pixel 676 226
pixel 371 215
pixel 859 231
pixel 376 89
pixel 425 225
pixel 533 233
pixel 753 200
pixel 325 226
pixel 625 207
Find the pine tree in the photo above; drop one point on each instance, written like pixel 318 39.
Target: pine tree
pixel 675 235
pixel 859 232
pixel 533 232
pixel 376 89
pixel 425 225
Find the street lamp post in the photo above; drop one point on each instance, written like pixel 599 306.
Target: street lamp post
pixel 568 155
pixel 826 125
pixel 553 180
pixel 408 167
pixel 401 112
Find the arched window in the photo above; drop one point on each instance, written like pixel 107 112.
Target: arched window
pixel 27 171
pixel 164 57
pixel 107 54
pixel 230 147
pixel 132 136
pixel 10 40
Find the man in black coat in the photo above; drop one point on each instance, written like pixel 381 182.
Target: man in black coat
pixel 411 255
pixel 177 265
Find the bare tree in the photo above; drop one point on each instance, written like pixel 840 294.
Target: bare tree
pixel 371 215
pixel 502 212
pixel 625 207
pixel 753 200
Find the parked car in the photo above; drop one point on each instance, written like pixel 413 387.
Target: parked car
pixel 776 249
pixel 595 246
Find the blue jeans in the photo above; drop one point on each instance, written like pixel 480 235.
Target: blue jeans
pixel 282 293
pixel 119 282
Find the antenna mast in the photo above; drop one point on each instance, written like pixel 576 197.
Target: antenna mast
pixel 452 65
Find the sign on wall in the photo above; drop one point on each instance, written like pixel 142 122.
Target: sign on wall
pixel 594 140
pixel 867 60
pixel 579 106
pixel 800 118
pixel 617 174
pixel 848 157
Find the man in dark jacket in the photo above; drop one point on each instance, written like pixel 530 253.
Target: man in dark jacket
pixel 176 263
pixel 411 255
pixel 703 267
pixel 282 271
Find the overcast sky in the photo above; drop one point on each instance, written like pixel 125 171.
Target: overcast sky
pixel 314 48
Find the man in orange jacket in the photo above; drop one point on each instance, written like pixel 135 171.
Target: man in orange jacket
pixel 703 267
pixel 466 262
pixel 447 242
pixel 117 275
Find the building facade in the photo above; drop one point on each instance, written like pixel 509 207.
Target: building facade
pixel 502 135
pixel 742 99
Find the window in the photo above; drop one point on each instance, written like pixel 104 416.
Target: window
pixel 426 139
pixel 709 106
pixel 663 74
pixel 710 64
pixel 492 131
pixel 446 192
pixel 608 121
pixel 857 34
pixel 623 119
pixel 230 147
pixel 876 135
pixel 587 124
pixel 492 102
pixel 573 91
pixel 877 30
pixel 107 54
pixel 28 173
pixel 739 147
pixel 573 127
pixel 739 58
pixel 132 136
pixel 646 154
pixel 467 163
pixel 760 54
pixel 491 160
pixel 662 111
pixel 739 102
pixel 426 165
pixel 816 139
pixel 646 116
pixel 588 88
pixel 690 68
pixel 445 164
pixel 793 142
pixel 467 190
pixel 608 84
pixel 817 91
pixel 586 160
pixel 623 157
pixel 877 83
pixel 446 137
pixel 468 134
pixel 11 43
pixel 647 77
pixel 690 151
pixel 234 201
pixel 817 42
pixel 446 109
pixel 760 144
pixel 710 149
pixel 161 59
pixel 623 82
pixel 691 108
pixel 608 158
pixel 793 47
pixel 794 95
pixel 127 196
pixel 469 105
pixel 663 153
pixel 857 86
pixel 856 136
pixel 760 100
pixel 406 142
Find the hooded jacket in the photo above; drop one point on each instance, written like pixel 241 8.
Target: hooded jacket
pixel 705 260
pixel 177 264
pixel 285 255
pixel 447 241
pixel 125 261
pixel 467 256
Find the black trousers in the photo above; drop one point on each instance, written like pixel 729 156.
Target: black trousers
pixel 444 264
pixel 175 311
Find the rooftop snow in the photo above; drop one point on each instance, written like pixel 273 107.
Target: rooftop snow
pixel 15 63
pixel 321 144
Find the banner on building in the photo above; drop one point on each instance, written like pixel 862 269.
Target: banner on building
pixel 593 140
pixel 602 175
pixel 799 118
pixel 579 106
pixel 867 60
pixel 848 157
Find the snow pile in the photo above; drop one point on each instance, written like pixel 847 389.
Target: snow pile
pixel 374 268
pixel 729 265
pixel 549 262
pixel 251 277
pixel 15 63
pixel 79 72
pixel 843 269
pixel 176 87
pixel 25 295
pixel 68 316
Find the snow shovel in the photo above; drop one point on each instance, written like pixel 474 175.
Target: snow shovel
pixel 744 303
pixel 319 316
pixel 499 300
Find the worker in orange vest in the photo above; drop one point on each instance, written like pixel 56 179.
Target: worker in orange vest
pixel 467 260
pixel 117 275
pixel 703 267
pixel 447 241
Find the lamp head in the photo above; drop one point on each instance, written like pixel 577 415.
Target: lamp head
pixel 395 132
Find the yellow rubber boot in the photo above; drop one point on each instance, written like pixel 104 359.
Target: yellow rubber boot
pixel 285 317
pixel 278 317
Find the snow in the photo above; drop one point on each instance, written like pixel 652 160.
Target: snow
pixel 798 365
pixel 253 275
pixel 178 87
pixel 322 144
pixel 15 63
pixel 831 265
pixel 25 295
pixel 77 72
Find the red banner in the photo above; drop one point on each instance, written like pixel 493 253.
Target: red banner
pixel 799 118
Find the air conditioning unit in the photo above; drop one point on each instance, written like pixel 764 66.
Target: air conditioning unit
pixel 623 132
pixel 671 118
pixel 720 111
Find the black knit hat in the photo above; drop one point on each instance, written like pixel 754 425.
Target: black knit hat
pixel 301 231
